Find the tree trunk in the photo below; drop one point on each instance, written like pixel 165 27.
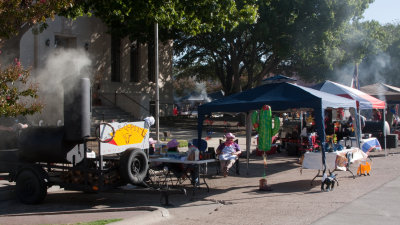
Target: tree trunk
pixel 249 65
pixel 236 76
pixel 228 78
pixel 271 63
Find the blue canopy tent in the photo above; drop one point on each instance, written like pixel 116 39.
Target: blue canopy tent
pixel 278 79
pixel 281 97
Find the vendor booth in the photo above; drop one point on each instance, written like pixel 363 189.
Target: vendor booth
pixel 280 97
pixel 391 95
pixel 364 101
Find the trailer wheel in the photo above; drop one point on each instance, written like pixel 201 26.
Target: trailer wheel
pixel 134 166
pixel 30 188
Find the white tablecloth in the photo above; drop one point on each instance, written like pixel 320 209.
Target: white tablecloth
pixel 313 160
pixel 366 144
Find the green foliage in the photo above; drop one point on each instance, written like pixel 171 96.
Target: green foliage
pixel 383 63
pixel 15 13
pixel 288 36
pixel 16 94
pixel 373 46
pixel 136 18
pixel 99 222
pixel 362 39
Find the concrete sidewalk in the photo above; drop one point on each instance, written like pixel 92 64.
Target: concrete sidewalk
pixel 380 206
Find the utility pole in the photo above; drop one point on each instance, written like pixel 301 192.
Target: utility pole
pixel 156 79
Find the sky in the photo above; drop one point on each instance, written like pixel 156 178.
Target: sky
pixel 384 11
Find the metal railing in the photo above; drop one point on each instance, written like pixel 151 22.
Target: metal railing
pixel 108 100
pixel 113 103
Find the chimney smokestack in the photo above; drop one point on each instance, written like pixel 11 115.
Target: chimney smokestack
pixel 77 111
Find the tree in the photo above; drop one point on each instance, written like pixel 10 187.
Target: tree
pixel 18 16
pixel 357 41
pixel 123 18
pixel 16 92
pixel 136 18
pixel 17 95
pixel 367 45
pixel 381 64
pixel 287 34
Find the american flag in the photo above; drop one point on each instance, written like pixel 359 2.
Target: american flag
pixel 354 81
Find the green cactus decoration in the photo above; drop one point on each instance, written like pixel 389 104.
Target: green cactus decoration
pixel 262 123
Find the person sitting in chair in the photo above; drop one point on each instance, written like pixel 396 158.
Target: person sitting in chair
pixel 228 152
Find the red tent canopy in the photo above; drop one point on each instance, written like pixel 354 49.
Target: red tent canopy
pixel 364 100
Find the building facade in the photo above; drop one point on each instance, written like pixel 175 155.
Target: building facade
pixel 121 71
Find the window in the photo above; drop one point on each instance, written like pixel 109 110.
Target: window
pixel 64 42
pixel 115 59
pixel 135 62
pixel 150 62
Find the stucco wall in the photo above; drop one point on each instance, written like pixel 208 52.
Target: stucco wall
pixel 92 34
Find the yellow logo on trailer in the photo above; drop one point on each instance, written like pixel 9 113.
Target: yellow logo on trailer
pixel 129 134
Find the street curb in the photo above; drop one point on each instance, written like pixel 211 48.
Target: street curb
pixel 154 214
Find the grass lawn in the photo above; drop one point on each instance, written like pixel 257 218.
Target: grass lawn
pixel 98 222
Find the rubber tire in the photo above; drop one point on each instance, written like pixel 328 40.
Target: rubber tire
pixel 30 187
pixel 134 166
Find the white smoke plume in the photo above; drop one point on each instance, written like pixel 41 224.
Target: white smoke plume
pixel 202 90
pixel 193 97
pixel 59 65
pixel 373 71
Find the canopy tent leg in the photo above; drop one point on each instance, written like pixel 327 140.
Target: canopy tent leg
pixel 384 130
pixel 319 120
pixel 358 127
pixel 301 127
pixel 248 138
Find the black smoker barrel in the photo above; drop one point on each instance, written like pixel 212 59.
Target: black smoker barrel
pixel 43 144
pixel 51 144
pixel 77 111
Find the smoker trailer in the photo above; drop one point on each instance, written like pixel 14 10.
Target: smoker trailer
pixel 39 157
